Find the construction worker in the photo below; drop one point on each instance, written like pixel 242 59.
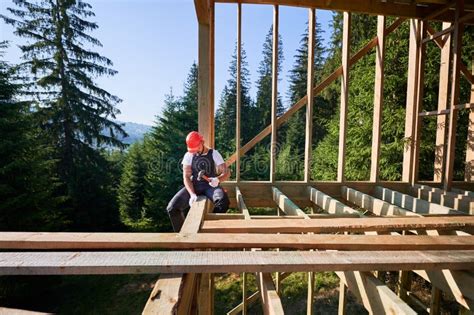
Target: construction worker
pixel 199 160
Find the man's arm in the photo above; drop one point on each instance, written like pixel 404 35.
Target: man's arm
pixel 223 171
pixel 187 173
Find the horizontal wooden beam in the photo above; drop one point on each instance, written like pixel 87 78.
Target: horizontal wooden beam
pixel 449 199
pixel 93 263
pixel 329 204
pixel 446 111
pixel 286 205
pixel 141 241
pixel 379 224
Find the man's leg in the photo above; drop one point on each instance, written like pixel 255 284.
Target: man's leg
pixel 176 208
pixel 219 198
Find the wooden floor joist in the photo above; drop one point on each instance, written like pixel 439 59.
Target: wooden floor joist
pixel 448 199
pixel 286 205
pixel 411 203
pixel 374 294
pixel 271 301
pixel 93 263
pixel 379 224
pixel 131 241
pixel 329 204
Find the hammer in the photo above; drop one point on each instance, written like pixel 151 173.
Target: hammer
pixel 202 175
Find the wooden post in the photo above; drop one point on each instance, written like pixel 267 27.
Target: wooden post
pixel 309 308
pixel 378 98
pixel 342 298
pixel 419 103
pixel 309 88
pixel 456 60
pixel 434 302
pixel 273 143
pixel 206 79
pixel 244 293
pixel 442 105
pixel 469 171
pixel 412 85
pixel 239 100
pixel 341 161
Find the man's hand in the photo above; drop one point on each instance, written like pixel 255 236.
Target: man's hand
pixel 192 199
pixel 214 182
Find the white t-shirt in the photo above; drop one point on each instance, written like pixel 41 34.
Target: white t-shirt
pixel 216 156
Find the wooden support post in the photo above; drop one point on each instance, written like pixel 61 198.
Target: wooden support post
pixel 455 90
pixel 469 170
pixel 309 91
pixel 342 298
pixel 239 92
pixel 270 300
pixel 378 98
pixel 311 278
pixel 273 143
pixel 206 78
pixel 442 105
pixel 419 103
pixel 412 85
pixel 205 300
pixel 341 161
pixel 434 301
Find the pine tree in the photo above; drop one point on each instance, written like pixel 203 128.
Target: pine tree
pixel 165 147
pixel 73 110
pixel 26 178
pixel 131 191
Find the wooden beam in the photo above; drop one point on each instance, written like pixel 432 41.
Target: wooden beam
pixel 166 291
pixel 455 90
pixel 374 205
pixel 241 204
pixel 14 311
pixel 286 205
pixel 239 92
pixel 411 203
pixel 273 140
pixel 440 11
pixel 469 168
pixel 444 31
pixel 374 295
pixel 271 302
pixel 310 97
pixel 340 225
pixel 202 11
pixel 378 99
pixel 205 296
pixel 316 90
pixel 76 263
pixel 412 97
pixel 446 111
pixel 329 204
pixel 346 34
pixel 448 199
pixel 239 309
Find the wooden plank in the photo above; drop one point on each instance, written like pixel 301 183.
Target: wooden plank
pixel 378 99
pixel 239 92
pixel 75 263
pixel 454 99
pixel 441 10
pixel 286 205
pixel 412 97
pixel 446 111
pixel 202 11
pixel 469 168
pixel 380 224
pixel 374 205
pixel 374 295
pixel 271 302
pixel 346 34
pixel 431 37
pixel 241 204
pixel 14 311
pixel 273 140
pixel 411 203
pixel 448 199
pixel 329 204
pixel 407 10
pixel 206 84
pixel 166 291
pixel 316 90
pixel 310 97
pixel 240 307
pixel 205 303
pixel 342 298
pixel 224 216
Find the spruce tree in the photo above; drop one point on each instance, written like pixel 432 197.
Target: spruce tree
pixel 26 177
pixel 73 110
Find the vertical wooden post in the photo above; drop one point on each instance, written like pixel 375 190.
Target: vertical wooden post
pixel 341 161
pixel 419 103
pixel 412 89
pixel 469 171
pixel 239 92
pixel 206 79
pixel 273 143
pixel 309 88
pixel 309 303
pixel 434 302
pixel 442 105
pixel 378 98
pixel 244 293
pixel 457 44
pixel 342 298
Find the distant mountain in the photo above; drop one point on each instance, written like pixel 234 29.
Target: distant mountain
pixel 135 131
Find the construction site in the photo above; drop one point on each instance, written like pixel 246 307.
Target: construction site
pixel 358 229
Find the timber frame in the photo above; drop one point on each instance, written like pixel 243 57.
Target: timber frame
pixel 360 230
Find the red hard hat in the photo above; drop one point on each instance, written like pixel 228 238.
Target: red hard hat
pixel 193 141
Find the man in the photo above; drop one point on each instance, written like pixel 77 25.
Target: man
pixel 199 158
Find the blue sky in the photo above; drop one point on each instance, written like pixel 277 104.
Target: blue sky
pixel 153 44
